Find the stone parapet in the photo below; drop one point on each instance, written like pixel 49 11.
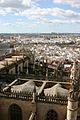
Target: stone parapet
pixel 28 96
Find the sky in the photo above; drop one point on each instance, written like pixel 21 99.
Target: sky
pixel 39 16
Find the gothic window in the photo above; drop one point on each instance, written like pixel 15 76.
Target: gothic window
pixel 51 115
pixel 78 117
pixel 15 112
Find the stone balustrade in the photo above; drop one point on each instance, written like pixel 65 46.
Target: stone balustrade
pixel 17 95
pixel 28 96
pixel 52 99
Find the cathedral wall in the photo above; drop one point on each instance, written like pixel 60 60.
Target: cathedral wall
pixel 26 107
pixel 43 108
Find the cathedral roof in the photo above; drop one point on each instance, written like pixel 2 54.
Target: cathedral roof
pixel 56 90
pixel 27 87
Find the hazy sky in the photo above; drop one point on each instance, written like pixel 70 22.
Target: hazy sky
pixel 34 16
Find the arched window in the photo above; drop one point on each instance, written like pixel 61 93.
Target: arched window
pixel 78 117
pixel 15 112
pixel 51 115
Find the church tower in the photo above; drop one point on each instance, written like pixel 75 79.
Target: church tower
pixel 72 107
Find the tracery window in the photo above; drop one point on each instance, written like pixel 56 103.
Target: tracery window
pixel 78 117
pixel 51 115
pixel 15 112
